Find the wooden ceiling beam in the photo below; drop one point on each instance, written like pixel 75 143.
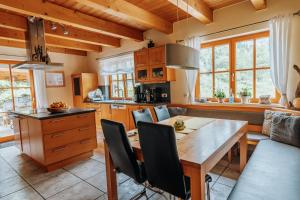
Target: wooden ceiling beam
pixel 21 45
pixel 20 36
pixel 196 8
pixel 259 4
pixel 59 14
pixel 18 22
pixel 124 9
pixel 80 35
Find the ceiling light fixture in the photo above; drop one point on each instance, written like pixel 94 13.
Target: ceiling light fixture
pixel 65 31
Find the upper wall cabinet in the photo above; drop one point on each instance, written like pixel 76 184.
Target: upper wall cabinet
pixel 150 66
pixel 141 58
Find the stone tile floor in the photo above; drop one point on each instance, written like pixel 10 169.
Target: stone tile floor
pixel 21 179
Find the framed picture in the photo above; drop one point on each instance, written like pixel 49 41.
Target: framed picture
pixel 55 79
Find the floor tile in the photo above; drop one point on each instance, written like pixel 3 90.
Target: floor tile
pixel 6 171
pixel 216 172
pixel 99 157
pixel 80 191
pixel 40 176
pixel 86 169
pixel 99 180
pixel 56 184
pixel 229 177
pixel 220 192
pixel 103 197
pixel 27 169
pixel 25 194
pixel 11 185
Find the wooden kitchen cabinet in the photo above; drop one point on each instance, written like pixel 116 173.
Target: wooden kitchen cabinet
pixel 119 113
pixel 106 111
pixel 157 55
pixel 24 132
pixel 150 66
pixel 141 58
pixel 82 84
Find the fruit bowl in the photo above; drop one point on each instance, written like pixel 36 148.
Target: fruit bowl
pixel 58 107
pixel 57 110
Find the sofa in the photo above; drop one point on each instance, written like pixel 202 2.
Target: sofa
pixel 272 173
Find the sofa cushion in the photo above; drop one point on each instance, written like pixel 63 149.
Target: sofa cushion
pixel 271 173
pixel 268 120
pixel 286 129
pixel 174 111
pixel 256 137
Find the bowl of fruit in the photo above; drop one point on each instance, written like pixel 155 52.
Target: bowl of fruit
pixel 179 125
pixel 58 107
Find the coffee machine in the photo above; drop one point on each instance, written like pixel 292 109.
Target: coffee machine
pixel 150 93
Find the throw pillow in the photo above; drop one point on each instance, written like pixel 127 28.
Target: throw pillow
pixel 286 129
pixel 266 129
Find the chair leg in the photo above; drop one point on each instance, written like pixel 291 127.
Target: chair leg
pixel 140 194
pixel 208 179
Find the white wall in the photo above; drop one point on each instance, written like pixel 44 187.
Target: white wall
pixel 72 64
pixel 225 18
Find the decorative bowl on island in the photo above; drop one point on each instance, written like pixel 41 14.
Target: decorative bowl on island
pixel 58 107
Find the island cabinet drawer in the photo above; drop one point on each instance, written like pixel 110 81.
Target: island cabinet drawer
pixel 61 138
pixel 67 151
pixel 67 123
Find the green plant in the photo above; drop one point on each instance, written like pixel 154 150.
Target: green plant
pixel 220 94
pixel 245 92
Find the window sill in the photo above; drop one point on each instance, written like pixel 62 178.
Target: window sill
pixel 250 107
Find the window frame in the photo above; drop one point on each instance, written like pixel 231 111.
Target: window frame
pixel 124 80
pixel 12 87
pixel 232 68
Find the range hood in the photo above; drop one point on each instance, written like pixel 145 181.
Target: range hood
pixel 37 56
pixel 182 57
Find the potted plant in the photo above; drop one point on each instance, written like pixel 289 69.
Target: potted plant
pixel 245 95
pixel 220 95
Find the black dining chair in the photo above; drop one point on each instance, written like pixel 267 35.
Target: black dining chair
pixel 122 154
pixel 162 112
pixel 161 160
pixel 143 115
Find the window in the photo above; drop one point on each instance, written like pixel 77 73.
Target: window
pixel 236 63
pixel 121 86
pixel 15 89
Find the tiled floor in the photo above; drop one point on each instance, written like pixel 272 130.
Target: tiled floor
pixel 21 179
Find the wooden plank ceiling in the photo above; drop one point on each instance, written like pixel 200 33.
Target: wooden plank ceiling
pixel 95 23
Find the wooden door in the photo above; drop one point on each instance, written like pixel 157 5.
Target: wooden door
pixel 131 123
pixel 141 58
pixel 24 132
pixel 157 55
pixel 105 111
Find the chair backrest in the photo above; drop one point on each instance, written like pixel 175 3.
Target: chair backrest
pixel 161 112
pixel 143 115
pixel 161 161
pixel 121 152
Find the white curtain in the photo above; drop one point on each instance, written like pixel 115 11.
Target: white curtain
pixel 117 65
pixel 191 75
pixel 40 89
pixel 280 37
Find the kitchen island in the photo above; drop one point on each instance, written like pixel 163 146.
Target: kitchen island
pixel 55 140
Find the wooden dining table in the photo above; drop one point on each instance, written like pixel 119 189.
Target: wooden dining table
pixel 204 143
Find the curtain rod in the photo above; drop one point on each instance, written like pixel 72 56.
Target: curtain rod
pixel 230 29
pixel 120 54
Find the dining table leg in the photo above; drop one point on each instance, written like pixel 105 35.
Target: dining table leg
pixel 243 151
pixel 111 178
pixel 197 180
